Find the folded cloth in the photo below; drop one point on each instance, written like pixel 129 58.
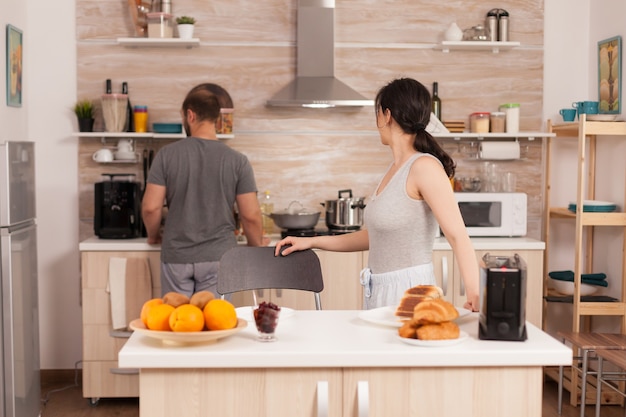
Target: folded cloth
pixel 129 286
pixel 569 276
pixel 600 282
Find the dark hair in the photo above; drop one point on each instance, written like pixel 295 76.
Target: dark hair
pixel 203 103
pixel 410 105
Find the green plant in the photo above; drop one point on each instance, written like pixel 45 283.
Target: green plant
pixel 84 109
pixel 185 20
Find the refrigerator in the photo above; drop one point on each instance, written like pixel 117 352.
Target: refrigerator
pixel 20 381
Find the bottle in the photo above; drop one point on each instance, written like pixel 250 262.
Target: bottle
pixel 492 24
pixel 436 101
pixel 503 26
pixel 130 119
pixel 140 115
pixel 267 208
pixel 108 89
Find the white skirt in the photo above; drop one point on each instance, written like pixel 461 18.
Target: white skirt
pixel 380 290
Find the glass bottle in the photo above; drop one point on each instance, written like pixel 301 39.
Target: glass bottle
pixel 436 101
pixel 267 208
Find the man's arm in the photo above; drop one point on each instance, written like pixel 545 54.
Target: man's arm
pixel 152 211
pixel 251 220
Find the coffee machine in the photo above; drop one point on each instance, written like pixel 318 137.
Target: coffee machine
pixel 117 208
pixel 502 298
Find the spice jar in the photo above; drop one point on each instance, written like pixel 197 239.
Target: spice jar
pixel 497 121
pixel 479 122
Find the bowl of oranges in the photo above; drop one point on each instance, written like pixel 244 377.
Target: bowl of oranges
pixel 178 319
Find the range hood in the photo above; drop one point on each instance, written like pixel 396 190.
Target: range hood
pixel 315 85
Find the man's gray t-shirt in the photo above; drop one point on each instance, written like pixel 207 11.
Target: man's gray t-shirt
pixel 202 179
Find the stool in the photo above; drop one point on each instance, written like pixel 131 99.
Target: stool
pixel 587 342
pixel 617 358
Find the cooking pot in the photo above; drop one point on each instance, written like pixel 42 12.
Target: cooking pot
pixel 295 217
pixel 345 212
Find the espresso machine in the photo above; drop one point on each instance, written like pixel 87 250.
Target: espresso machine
pixel 502 298
pixel 117 208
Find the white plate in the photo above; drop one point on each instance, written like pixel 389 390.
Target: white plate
pixel 463 336
pixel 602 117
pixel 385 316
pixel 247 312
pixel 187 338
pixel 594 203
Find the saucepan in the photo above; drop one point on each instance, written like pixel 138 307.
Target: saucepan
pixel 345 212
pixel 295 216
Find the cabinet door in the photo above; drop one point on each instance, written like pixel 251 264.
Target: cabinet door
pixel 342 288
pixel 443 264
pixel 534 279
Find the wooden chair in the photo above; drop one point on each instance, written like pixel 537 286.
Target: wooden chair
pixel 245 268
pixel 588 344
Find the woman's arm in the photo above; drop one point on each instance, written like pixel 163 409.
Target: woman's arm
pixel 349 242
pixel 430 180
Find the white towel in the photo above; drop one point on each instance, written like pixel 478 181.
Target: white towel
pixel 129 286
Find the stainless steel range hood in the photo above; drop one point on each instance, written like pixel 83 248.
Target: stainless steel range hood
pixel 315 85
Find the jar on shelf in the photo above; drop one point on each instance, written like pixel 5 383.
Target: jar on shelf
pixel 512 116
pixel 479 122
pixel 497 121
pixel 160 25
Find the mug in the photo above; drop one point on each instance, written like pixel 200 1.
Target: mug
pixel 125 145
pixel 103 155
pixel 568 114
pixel 590 107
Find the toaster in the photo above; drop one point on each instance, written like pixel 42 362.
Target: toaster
pixel 502 298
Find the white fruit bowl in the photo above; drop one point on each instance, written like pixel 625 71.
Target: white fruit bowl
pixel 567 287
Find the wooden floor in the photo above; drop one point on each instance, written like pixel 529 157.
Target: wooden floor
pixel 62 397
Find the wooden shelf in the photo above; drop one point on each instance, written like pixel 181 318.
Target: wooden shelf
pixel 589 218
pixel 158 42
pixel 494 47
pixel 147 135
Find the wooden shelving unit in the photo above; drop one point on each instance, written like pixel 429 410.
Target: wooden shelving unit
pixel 588 134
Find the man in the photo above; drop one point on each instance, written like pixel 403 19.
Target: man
pixel 200 179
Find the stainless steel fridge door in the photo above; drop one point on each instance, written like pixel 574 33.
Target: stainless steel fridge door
pixel 20 321
pixel 17 182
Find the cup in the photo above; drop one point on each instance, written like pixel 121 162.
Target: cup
pixel 125 145
pixel 509 182
pixel 266 320
pixel 103 155
pixel 590 107
pixel 568 114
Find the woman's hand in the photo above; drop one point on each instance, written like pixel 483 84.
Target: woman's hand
pixel 473 302
pixel 297 243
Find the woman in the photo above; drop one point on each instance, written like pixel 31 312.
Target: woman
pixel 402 214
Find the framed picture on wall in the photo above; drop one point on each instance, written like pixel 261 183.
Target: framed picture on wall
pixel 610 75
pixel 14 66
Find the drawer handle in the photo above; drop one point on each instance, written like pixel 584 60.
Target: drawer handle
pixel 124 371
pixel 363 399
pixel 322 398
pixel 444 275
pixel 122 334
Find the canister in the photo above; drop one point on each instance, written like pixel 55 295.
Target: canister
pixel 479 122
pixel 140 115
pixel 492 24
pixel 503 26
pixel 160 25
pixel 225 122
pixel 497 121
pixel 512 116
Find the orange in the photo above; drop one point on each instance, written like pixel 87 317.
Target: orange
pixel 219 315
pixel 187 318
pixel 159 317
pixel 147 306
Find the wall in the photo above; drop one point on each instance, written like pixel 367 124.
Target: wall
pixel 308 155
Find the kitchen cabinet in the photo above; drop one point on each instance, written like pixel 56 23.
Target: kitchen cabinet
pixel 102 378
pixel 589 134
pixel 448 277
pixel 342 288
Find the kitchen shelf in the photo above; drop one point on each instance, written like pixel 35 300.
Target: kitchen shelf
pixel 495 47
pixel 487 136
pixel 159 42
pixel 588 134
pixel 147 135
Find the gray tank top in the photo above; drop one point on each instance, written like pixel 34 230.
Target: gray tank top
pixel 401 229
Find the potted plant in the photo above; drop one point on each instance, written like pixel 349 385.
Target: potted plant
pixel 84 113
pixel 185 26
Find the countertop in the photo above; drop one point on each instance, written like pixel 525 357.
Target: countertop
pixel 328 338
pixel 480 243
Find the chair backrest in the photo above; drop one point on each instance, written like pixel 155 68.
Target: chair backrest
pixel 244 268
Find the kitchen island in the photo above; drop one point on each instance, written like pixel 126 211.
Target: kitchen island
pixel 333 363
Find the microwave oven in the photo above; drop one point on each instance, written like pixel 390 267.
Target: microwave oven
pixel 493 214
